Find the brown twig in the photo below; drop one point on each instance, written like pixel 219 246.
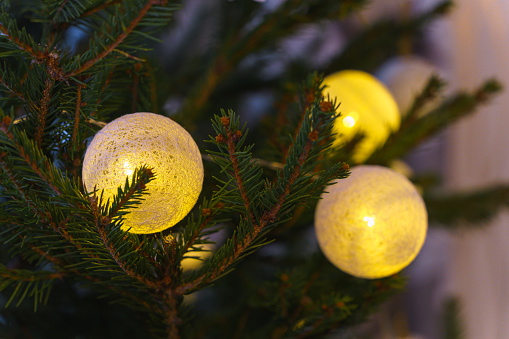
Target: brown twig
pixel 77 115
pixel 122 36
pixel 268 216
pixel 51 276
pixel 120 263
pixel 13 91
pixel 65 270
pixel 171 319
pixel 230 141
pixel 99 221
pixel 43 112
pixel 100 8
pixel 21 45
pixel 35 167
pixel 209 216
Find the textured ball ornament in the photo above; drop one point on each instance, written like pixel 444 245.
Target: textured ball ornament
pixel 366 106
pixel 161 144
pixel 372 224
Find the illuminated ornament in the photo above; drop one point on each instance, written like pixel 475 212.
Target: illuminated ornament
pixel 366 106
pixel 159 143
pixel 406 77
pixel 372 224
pixel 195 259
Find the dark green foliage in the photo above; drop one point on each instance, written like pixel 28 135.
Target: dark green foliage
pixel 467 209
pixel 451 319
pixel 265 277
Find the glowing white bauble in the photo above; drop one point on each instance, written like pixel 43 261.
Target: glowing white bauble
pixel 406 77
pixel 159 143
pixel 372 224
pixel 366 107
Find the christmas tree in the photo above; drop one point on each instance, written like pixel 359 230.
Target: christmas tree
pixel 80 261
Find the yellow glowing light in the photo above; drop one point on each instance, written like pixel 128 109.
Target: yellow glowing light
pixel 377 112
pixel 159 143
pixel 348 121
pixel 380 249
pixel 370 221
pixel 128 168
pixel 195 259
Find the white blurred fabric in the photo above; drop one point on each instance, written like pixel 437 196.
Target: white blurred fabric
pixel 478 156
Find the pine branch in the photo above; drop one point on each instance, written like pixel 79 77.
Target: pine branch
pixel 131 192
pixel 43 112
pixel 121 263
pixel 380 41
pixel 64 269
pixel 100 7
pixel 208 215
pixel 451 110
pixel 467 209
pixel 31 155
pixel 277 200
pixel 36 284
pixel 15 92
pixel 77 117
pixel 119 39
pixel 7 26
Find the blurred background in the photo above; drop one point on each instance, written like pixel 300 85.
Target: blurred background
pixel 465 48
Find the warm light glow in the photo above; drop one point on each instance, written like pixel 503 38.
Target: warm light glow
pixel 159 143
pixel 348 121
pixel 371 252
pixel 195 259
pixel 370 221
pixel 128 170
pixel 376 112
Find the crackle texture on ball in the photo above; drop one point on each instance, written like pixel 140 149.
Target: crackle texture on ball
pixel 366 107
pixel 372 224
pixel 163 145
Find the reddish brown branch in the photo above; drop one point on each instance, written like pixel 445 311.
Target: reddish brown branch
pixel 19 188
pixel 119 39
pixel 18 42
pixel 230 141
pixel 77 116
pixel 44 217
pixel 127 270
pixel 99 8
pixel 35 167
pixel 109 246
pixel 268 216
pixel 209 215
pixel 43 112
pixel 65 271
pixel 13 91
pixel 171 318
pixel 61 8
pixel 58 275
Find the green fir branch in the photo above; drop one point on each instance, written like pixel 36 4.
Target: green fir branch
pixel 13 38
pixel 466 209
pixel 451 110
pixel 269 206
pixel 452 323
pixel 26 283
pixel 378 42
pixel 125 29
